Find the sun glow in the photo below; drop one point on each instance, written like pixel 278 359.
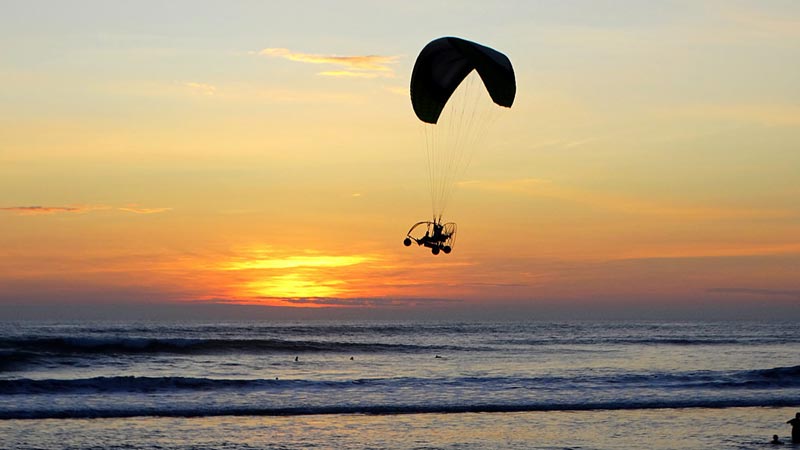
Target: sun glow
pixel 294 285
pixel 291 262
pixel 269 273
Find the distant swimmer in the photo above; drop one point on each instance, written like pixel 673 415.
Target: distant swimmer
pixel 775 440
pixel 351 358
pixel 296 358
pixel 438 357
pixel 795 423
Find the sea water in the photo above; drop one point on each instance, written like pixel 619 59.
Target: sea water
pixel 397 385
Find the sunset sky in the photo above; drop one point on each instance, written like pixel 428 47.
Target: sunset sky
pixel 266 153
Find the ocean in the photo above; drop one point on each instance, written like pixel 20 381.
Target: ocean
pixel 430 385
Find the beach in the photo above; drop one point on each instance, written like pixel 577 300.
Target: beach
pixel 697 428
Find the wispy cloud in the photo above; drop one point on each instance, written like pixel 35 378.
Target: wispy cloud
pixel 350 74
pixel 76 209
pixel 136 210
pixel 46 210
pixel 366 66
pixel 201 88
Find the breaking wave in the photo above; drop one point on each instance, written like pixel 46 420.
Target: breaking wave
pixel 778 377
pixel 91 345
pixel 79 413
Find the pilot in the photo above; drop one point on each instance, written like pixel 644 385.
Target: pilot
pixel 437 232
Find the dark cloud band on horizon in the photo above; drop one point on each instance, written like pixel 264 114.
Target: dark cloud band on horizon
pixel 757 291
pixel 388 302
pixel 373 302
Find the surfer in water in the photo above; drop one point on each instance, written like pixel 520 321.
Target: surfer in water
pixel 795 423
pixel 775 440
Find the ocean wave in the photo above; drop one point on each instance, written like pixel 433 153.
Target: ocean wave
pixel 381 409
pixel 779 377
pixel 135 345
pixel 11 360
pixel 645 340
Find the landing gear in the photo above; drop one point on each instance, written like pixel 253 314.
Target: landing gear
pixel 435 250
pixel 407 242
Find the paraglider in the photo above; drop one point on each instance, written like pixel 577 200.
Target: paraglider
pixel 449 83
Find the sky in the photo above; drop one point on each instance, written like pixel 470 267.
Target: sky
pixel 194 158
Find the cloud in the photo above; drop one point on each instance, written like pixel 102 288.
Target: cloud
pixel 201 88
pixel 349 74
pixel 369 302
pixel 45 210
pixel 293 262
pixel 340 301
pixel 757 291
pixel 73 209
pixel 136 210
pixel 367 66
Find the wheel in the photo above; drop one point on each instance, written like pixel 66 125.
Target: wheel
pixel 447 249
pixel 435 250
pixel 407 242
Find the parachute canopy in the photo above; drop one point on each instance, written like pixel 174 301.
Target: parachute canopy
pixel 444 63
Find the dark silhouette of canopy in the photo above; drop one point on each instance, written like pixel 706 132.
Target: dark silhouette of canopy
pixel 444 63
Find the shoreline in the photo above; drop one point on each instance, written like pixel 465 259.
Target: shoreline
pixel 658 429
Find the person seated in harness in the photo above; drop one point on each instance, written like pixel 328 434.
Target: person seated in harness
pixel 438 237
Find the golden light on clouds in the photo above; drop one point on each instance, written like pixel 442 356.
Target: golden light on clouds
pixel 292 262
pixel 136 210
pixel 366 66
pixel 349 74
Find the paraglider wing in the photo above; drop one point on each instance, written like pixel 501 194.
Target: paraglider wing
pixel 444 63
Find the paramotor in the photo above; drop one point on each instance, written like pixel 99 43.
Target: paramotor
pixel 449 83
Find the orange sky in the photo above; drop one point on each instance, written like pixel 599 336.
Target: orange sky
pixel 269 155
